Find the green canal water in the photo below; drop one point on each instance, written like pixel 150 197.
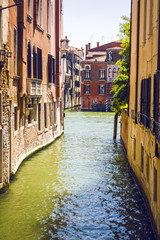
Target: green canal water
pixel 77 188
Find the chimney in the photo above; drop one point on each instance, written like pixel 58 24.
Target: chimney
pixel 66 37
pixel 97 44
pixel 89 46
pixel 87 49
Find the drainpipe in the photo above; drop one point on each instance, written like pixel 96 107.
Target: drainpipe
pixel 137 71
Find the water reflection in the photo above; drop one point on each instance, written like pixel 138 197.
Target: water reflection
pixel 78 188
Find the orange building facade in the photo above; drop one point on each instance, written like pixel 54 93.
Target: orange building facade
pixel 35 79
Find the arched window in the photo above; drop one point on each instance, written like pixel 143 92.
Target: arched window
pixel 29 60
pixel 110 72
pixel 114 72
pixel 34 62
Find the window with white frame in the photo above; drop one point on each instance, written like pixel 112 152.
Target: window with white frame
pixel 114 72
pixel 87 74
pixel 110 72
pixel 45 115
pixel 101 74
pixel 15 119
pixel 101 89
pixel 86 89
pixel 39 116
pixel 29 60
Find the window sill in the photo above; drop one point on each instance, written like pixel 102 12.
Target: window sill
pixel 48 35
pixel 15 132
pixel 29 125
pixel 29 18
pixel 102 79
pixel 39 28
pixel 46 130
pixel 16 77
pixel 87 79
pixel 39 132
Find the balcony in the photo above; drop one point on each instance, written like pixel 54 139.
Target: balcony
pixel 34 87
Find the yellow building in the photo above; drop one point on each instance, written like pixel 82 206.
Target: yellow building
pixel 143 140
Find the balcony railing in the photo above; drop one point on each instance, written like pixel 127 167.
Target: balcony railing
pixel 150 123
pixel 34 87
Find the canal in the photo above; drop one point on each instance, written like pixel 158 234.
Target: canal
pixel 77 188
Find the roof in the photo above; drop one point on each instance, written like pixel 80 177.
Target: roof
pixel 104 47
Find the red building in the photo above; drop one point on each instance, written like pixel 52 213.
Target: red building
pixel 98 72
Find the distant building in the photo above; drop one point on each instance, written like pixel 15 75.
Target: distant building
pixel 72 58
pixel 98 72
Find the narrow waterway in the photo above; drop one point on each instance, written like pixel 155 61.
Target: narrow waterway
pixel 77 188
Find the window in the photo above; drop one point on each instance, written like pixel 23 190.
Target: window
pixel 110 56
pixel 54 70
pixel 15 119
pixel 35 112
pixel 155 186
pixel 39 63
pixel 142 158
pixel 39 116
pixel 110 72
pixel 114 72
pixel 51 69
pixel 45 115
pixel 101 74
pixel 87 74
pixel 30 113
pixel 50 115
pixel 34 63
pixel 101 89
pixel 156 103
pixel 86 89
pixel 145 102
pixel 77 72
pixel 29 60
pixel 15 51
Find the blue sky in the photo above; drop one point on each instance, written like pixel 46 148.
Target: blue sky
pixel 93 20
